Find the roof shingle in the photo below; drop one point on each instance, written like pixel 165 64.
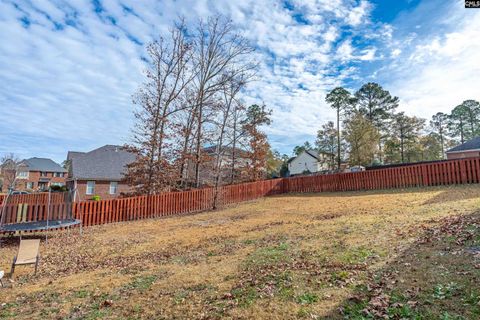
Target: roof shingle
pixel 105 163
pixel 42 164
pixel 473 144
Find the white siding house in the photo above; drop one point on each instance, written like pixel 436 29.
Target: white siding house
pixel 308 161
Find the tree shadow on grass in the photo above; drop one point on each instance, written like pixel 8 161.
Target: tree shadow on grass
pixel 435 278
pixel 13 241
pixel 448 196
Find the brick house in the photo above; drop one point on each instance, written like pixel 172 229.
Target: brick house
pixel 99 172
pixel 38 174
pixel 469 149
pixel 207 166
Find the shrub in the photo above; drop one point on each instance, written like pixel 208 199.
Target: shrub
pixel 58 188
pixel 96 198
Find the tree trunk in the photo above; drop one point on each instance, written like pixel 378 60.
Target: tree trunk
pixel 339 161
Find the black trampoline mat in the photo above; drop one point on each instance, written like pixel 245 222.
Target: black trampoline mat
pixel 39 225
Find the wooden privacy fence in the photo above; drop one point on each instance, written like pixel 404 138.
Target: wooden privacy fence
pixel 25 212
pixel 170 203
pixel 35 198
pixel 429 174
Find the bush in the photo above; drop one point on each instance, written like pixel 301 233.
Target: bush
pixel 58 188
pixel 96 198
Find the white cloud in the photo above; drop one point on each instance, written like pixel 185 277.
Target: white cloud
pixel 71 88
pixel 358 14
pixel 442 70
pixel 396 52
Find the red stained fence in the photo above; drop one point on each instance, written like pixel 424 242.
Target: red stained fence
pixel 143 207
pixel 429 174
pixel 35 198
pixel 170 203
pixel 25 212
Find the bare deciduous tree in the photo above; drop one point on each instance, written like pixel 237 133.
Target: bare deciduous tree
pixel 159 98
pixel 9 171
pixel 220 54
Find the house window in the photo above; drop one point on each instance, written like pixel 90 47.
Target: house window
pixel 22 174
pixel 113 187
pixel 90 187
pixel 58 174
pixel 43 174
pixel 30 185
pixel 58 184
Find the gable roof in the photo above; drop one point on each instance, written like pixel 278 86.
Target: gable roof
pixel 73 154
pixel 312 152
pixel 473 144
pixel 42 164
pixel 105 163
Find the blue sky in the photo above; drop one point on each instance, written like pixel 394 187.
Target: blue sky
pixel 68 69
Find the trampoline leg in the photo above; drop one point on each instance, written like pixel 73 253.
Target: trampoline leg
pixel 12 276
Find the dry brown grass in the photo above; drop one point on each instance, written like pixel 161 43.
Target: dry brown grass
pixel 281 257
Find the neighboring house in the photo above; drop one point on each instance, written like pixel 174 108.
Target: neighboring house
pixel 99 172
pixel 469 149
pixel 207 167
pixel 309 161
pixel 38 174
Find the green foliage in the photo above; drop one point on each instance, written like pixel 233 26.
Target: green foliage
pixel 442 292
pixel 245 296
pixel 299 149
pixel 307 298
pixel 407 130
pixel 376 104
pixel 342 101
pixel 363 138
pixel 327 142
pixel 96 198
pixel 274 164
pixel 339 275
pixel 464 120
pixel 58 188
pixel 269 255
pixel 439 124
pixel 431 147
pixel 142 283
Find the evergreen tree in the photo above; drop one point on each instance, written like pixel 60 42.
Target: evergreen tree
pixel 378 106
pixel 362 137
pixel 407 130
pixel 458 122
pixel 439 123
pixel 327 142
pixel 342 101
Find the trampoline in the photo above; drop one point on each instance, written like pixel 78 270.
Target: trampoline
pixel 39 225
pixel 18 216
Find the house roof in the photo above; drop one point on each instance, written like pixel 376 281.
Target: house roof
pixel 73 154
pixel 312 152
pixel 473 144
pixel 105 163
pixel 225 150
pixel 42 164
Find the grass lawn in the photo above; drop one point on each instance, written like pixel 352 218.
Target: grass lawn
pixel 411 254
